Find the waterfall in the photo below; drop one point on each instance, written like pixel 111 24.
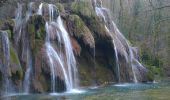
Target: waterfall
pixel 57 60
pixel 71 62
pixel 100 12
pixel 116 55
pixel 27 54
pixel 21 35
pixel 131 55
pixel 29 12
pixel 18 23
pixel 133 66
pixel 51 58
pixel 40 9
pixel 55 57
pixel 6 61
pixel 121 45
pixel 28 72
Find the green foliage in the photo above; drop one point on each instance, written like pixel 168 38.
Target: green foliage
pixel 150 76
pixel 154 65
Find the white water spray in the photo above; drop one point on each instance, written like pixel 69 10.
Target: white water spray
pixel 121 45
pixel 66 63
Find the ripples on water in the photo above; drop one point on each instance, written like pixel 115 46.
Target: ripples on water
pixel 126 91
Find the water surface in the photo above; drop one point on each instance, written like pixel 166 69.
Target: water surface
pixel 126 91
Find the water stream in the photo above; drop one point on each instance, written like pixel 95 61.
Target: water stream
pixel 127 91
pixel 5 67
pixel 121 44
pixel 55 27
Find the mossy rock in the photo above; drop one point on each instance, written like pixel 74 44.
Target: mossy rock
pixel 9 33
pixel 36 27
pixel 8 26
pixel 83 8
pixel 1 23
pixel 13 56
pixel 60 7
pixel 97 27
pixel 39 44
pixel 15 65
pixel 80 30
pixel 91 73
pixel 36 31
pixel 86 11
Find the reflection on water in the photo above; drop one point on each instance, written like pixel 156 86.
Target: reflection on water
pixel 127 91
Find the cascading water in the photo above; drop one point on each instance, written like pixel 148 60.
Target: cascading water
pixel 53 58
pixel 71 62
pixel 67 63
pixel 40 9
pixel 6 62
pixel 100 12
pixel 29 12
pixel 18 23
pixel 131 55
pixel 121 45
pixel 22 36
pixel 116 55
pixel 28 72
pixel 27 78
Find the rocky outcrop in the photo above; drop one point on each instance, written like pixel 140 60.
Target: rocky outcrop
pixel 36 30
pixel 79 30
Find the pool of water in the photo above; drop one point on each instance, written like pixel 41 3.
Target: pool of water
pixel 126 91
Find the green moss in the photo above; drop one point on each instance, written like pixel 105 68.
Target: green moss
pixel 37 33
pixel 31 28
pixel 36 27
pixel 83 8
pixel 91 72
pixel 80 30
pixel 40 33
pixel 87 72
pixel 60 7
pixel 38 46
pixel 96 26
pixel 14 57
pixel 78 25
pixel 9 33
pixel 86 11
pixel 1 23
pixel 18 74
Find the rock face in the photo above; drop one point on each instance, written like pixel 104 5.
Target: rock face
pixel 91 43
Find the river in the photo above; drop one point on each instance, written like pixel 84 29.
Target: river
pixel 126 91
